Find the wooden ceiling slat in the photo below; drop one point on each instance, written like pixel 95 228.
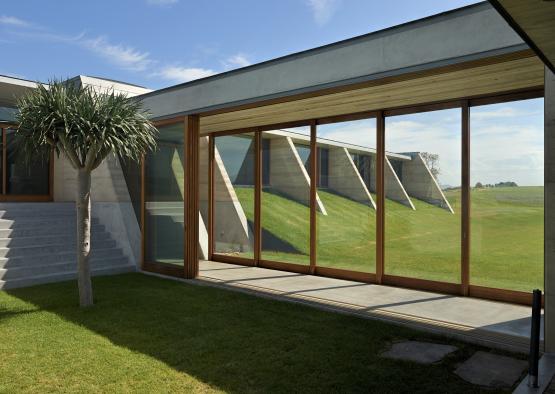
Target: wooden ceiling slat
pixel 491 79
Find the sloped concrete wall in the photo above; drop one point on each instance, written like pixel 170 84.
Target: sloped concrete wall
pixel 288 174
pixel 420 183
pixel 344 178
pixel 394 189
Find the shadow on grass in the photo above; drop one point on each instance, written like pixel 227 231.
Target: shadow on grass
pixel 240 343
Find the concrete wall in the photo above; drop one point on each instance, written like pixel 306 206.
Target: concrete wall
pixel 111 202
pixel 288 174
pixel 344 178
pixel 394 189
pixel 549 231
pixel 420 183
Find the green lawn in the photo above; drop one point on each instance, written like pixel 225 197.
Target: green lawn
pixel 147 334
pixel 507 236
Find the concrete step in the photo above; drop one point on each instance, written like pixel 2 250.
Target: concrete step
pixel 25 213
pixel 40 279
pixel 53 222
pixel 60 268
pixel 51 249
pixel 49 258
pixel 30 231
pixel 50 239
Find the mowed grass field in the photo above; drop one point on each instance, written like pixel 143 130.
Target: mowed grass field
pixel 507 235
pixel 152 335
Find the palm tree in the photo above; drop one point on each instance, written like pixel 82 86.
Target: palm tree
pixel 85 126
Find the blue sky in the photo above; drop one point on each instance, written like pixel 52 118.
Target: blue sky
pixel 159 43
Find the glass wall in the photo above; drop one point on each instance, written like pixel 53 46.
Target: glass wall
pixel 346 230
pixel 422 187
pixel 164 198
pixel 422 190
pixel 234 179
pixel 285 216
pixel 507 197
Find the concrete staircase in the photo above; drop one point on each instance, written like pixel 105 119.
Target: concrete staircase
pixel 37 245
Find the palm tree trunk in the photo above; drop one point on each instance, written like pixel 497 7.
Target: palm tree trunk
pixel 83 206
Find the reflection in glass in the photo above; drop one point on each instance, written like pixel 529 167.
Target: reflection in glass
pixel 164 198
pixel 422 190
pixel 507 195
pixel 234 194
pixel 285 202
pixel 22 177
pixel 347 228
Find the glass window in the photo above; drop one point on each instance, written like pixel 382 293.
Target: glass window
pixel 23 177
pixel 164 198
pixel 234 178
pixel 507 200
pixel 422 190
pixel 347 228
pixel 285 202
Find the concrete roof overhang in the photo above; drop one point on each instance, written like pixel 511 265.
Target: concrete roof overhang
pixel 464 53
pixel 11 88
pixel 534 21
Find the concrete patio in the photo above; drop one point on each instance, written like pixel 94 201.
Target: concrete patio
pixel 479 321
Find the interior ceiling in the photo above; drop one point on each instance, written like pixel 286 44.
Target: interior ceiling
pixel 488 79
pixel 534 20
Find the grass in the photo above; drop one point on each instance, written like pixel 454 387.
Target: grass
pixel 147 334
pixel 507 236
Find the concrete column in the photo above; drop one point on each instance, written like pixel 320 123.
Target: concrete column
pixel 549 206
pixel 288 174
pixel 344 178
pixel 420 183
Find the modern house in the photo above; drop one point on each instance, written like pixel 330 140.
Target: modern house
pixel 283 163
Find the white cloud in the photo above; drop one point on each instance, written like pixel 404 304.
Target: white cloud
pixel 162 2
pixel 123 56
pixel 14 21
pixel 237 61
pixel 323 10
pixel 501 112
pixel 179 74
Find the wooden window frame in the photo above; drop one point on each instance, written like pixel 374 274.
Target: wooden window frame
pixel 464 288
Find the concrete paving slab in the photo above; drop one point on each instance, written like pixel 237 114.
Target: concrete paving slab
pixel 419 352
pixel 485 322
pixel 491 370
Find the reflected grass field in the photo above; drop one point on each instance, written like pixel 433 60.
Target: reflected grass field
pixel 507 236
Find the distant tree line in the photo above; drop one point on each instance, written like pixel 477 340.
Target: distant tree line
pixel 479 185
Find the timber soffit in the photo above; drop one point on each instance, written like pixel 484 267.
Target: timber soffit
pixel 508 46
